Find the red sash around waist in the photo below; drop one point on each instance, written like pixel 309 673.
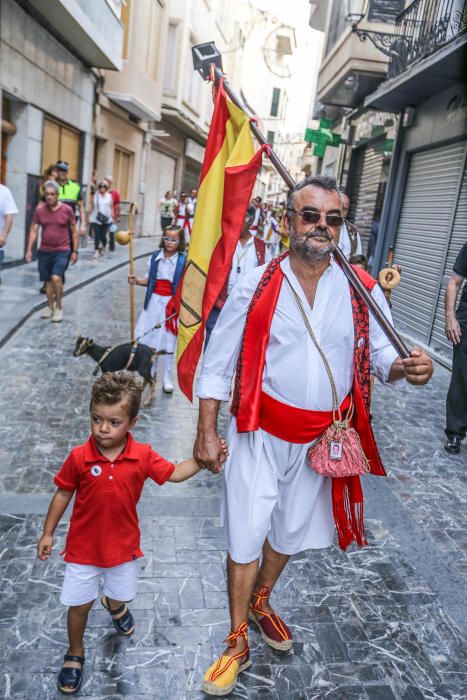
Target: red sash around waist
pixel 293 424
pixel 163 288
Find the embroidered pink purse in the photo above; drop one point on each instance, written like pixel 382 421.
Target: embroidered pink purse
pixel 339 452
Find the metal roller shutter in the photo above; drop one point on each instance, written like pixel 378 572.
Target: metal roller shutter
pixel 363 184
pixel 423 231
pixel 439 342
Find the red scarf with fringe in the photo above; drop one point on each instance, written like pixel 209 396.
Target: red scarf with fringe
pixel 347 494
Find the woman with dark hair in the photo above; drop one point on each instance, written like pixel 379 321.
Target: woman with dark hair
pixel 101 217
pixel 165 269
pixel 50 174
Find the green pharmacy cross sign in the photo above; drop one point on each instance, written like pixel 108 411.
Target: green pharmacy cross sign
pixel 322 137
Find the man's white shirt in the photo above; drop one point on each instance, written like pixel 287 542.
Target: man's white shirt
pixel 294 372
pixel 345 243
pixel 7 206
pixel 165 268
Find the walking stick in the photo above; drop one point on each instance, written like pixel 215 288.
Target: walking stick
pixel 126 238
pixel 208 61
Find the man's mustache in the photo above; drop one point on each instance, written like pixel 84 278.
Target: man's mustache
pixel 321 234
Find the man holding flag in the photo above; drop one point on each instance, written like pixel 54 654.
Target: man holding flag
pixel 300 342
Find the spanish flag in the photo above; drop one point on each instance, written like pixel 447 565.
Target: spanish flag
pixel 227 178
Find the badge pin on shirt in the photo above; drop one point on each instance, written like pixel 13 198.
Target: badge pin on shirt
pixel 96 470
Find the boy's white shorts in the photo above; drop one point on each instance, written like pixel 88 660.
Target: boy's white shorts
pixel 82 582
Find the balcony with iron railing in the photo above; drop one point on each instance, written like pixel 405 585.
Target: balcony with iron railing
pixel 424 27
pixel 90 28
pixel 428 54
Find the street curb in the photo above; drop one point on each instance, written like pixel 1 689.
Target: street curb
pixel 78 285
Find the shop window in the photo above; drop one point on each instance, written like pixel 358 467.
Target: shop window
pixel 154 38
pixel 171 57
pixel 337 25
pixel 122 171
pixel 276 93
pixel 191 91
pixel 59 142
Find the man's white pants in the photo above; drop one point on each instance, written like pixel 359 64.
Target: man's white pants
pixel 271 492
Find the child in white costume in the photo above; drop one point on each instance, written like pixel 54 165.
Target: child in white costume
pixel 184 216
pixel 165 269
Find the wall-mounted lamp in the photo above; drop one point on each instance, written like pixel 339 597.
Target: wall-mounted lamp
pixel 355 11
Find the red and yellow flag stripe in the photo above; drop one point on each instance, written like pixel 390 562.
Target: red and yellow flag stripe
pixel 227 178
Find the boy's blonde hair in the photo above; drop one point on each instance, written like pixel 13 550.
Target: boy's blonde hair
pixel 114 387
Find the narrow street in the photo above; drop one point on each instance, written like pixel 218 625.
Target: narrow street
pixel 381 623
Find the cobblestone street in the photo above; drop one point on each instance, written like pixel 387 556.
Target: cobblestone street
pixel 385 622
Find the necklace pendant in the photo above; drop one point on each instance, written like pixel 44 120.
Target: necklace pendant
pixel 239 269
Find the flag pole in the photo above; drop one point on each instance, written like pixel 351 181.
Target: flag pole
pixel 215 74
pixel 127 238
pixel 131 233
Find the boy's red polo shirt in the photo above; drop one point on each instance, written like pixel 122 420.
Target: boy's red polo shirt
pixel 104 527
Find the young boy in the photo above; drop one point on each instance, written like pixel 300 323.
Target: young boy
pixel 107 473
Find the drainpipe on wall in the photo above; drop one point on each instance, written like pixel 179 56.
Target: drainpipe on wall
pixel 143 181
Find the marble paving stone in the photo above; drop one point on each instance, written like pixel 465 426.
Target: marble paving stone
pixel 379 692
pixel 346 672
pixel 348 692
pixel 216 599
pixel 330 642
pixel 379 623
pixel 198 556
pixel 190 593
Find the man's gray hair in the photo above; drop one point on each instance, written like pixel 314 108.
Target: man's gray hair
pixel 323 182
pixel 52 183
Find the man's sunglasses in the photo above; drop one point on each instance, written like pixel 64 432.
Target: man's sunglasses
pixel 167 239
pixel 312 217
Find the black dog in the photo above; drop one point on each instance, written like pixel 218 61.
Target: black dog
pixel 137 358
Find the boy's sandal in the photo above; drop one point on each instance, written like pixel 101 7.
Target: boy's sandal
pixel 125 624
pixel 69 679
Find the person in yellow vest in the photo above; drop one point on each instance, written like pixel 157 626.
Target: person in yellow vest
pixel 70 193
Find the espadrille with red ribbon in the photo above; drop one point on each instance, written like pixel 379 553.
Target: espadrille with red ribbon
pixel 221 678
pixel 273 630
